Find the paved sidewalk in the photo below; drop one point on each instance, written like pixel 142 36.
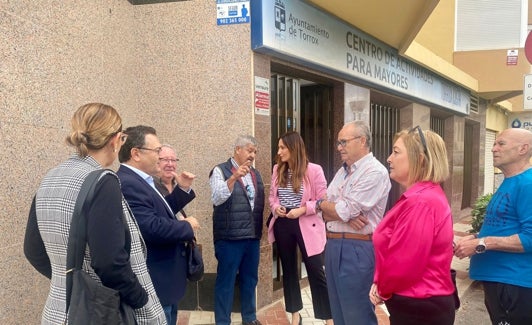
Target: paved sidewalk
pixel 275 314
pixel 463 282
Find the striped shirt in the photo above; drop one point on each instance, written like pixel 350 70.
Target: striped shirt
pixel 287 197
pixel 363 188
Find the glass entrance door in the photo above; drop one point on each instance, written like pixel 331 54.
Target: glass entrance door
pixel 305 107
pixel 285 104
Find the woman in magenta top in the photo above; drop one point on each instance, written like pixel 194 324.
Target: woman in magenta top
pixel 296 186
pixel 414 241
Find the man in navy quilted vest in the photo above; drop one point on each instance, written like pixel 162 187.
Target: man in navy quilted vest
pixel 238 200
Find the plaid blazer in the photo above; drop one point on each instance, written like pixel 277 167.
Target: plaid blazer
pixel 55 201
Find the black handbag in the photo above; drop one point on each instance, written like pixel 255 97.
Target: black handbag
pixel 455 293
pixel 87 301
pixel 195 268
pixel 270 217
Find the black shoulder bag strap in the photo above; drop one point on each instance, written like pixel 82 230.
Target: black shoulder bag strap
pixel 77 238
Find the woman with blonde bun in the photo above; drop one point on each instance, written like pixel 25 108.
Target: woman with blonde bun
pixel 97 137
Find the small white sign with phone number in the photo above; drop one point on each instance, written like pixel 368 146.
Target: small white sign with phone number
pixel 232 12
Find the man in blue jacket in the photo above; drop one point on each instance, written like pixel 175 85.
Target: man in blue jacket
pixel 238 199
pixel 164 234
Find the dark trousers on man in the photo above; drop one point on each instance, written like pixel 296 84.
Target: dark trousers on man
pixel 288 237
pixel 170 312
pixel 508 304
pixel 349 267
pixel 242 257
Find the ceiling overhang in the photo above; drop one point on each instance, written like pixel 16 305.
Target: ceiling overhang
pixel 393 22
pixel 397 23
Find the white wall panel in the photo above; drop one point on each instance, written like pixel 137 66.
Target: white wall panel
pixel 489 173
pixel 490 24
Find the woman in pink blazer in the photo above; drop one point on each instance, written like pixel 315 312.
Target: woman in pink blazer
pixel 296 186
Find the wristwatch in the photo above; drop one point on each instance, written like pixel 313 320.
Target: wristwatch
pixel 481 247
pixel 318 204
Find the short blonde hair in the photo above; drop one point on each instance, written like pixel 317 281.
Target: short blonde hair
pixel 427 155
pixel 93 125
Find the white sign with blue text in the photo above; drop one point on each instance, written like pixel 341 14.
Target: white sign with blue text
pixel 232 12
pixel 521 120
pixel 297 32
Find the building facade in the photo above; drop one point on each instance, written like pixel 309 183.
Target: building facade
pixel 202 73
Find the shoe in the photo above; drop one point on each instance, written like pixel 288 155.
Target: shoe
pixel 255 322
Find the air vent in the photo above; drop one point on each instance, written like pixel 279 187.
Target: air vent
pixel 473 103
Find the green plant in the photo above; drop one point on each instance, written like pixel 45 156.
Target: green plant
pixel 479 211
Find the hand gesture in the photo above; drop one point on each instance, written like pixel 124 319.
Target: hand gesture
pixel 465 247
pixel 193 223
pixel 184 180
pixel 242 170
pixel 296 213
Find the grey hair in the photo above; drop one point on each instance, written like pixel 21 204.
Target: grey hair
pixel 165 145
pixel 363 127
pixel 244 140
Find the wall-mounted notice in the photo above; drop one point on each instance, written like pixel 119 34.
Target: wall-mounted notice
pixel 232 12
pixel 262 96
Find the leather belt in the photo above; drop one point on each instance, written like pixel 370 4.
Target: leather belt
pixel 348 235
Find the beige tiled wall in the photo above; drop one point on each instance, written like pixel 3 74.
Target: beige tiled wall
pixel 166 65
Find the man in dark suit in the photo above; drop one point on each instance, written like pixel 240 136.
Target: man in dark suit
pixel 163 233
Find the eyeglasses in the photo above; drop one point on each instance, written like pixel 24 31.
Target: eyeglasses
pixel 157 150
pixel 168 160
pixel 344 142
pixel 421 137
pixel 118 131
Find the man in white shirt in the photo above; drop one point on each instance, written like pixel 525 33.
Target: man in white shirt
pixel 355 203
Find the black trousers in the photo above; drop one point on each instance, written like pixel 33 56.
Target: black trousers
pixel 288 237
pixel 508 304
pixel 414 311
